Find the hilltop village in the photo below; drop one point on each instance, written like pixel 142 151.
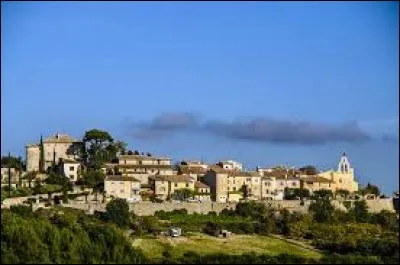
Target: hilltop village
pixel 99 161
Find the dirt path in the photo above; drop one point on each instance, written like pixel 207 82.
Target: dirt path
pixel 295 242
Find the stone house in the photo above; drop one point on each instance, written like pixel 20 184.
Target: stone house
pixel 122 187
pixel 227 185
pixel 203 192
pixel 54 147
pixel 165 185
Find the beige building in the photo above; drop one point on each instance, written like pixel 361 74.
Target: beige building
pixel 343 177
pixel 122 187
pixel 141 167
pixel 227 185
pixel 193 171
pixel 165 185
pixel 55 147
pixel 15 175
pixel 203 191
pixel 314 183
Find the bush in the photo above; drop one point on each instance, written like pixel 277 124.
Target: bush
pixel 118 212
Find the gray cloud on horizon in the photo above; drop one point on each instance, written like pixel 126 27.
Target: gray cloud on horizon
pixel 275 131
pixel 163 125
pixel 257 130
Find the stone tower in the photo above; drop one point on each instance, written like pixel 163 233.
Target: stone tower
pixel 344 165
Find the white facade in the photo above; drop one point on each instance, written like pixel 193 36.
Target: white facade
pixel 71 170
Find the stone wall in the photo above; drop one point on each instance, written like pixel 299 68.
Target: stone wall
pixel 148 208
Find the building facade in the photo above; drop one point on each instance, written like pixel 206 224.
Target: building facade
pixel 231 185
pixel 56 147
pixel 343 177
pixel 122 187
pixel 165 186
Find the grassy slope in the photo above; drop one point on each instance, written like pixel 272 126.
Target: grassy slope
pixel 237 244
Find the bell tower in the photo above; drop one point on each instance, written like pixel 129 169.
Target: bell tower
pixel 344 165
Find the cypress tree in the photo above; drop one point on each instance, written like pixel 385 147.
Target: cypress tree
pixel 41 158
pixel 9 175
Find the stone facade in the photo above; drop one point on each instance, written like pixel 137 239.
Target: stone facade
pixel 226 185
pixel 55 148
pixel 343 177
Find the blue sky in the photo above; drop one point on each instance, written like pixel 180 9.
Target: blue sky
pixel 265 83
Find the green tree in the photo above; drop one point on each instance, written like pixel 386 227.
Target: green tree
pixel 370 189
pixel 308 170
pixel 322 209
pixel 245 190
pixel 99 148
pixel 118 212
pixel 342 193
pixel 182 194
pixel 41 157
pixel 322 193
pixel 91 178
pixel 360 210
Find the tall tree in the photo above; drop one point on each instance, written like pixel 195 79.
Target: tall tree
pixel 308 170
pixel 100 148
pixel 371 189
pixel 41 158
pixel 9 177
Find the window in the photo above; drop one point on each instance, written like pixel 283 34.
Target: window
pixel 176 184
pixel 282 183
pixel 269 184
pixel 227 188
pixel 71 168
pixel 248 179
pixel 340 180
pixel 293 183
pixel 267 191
pixel 187 185
pixel 121 191
pixel 71 176
pixel 234 188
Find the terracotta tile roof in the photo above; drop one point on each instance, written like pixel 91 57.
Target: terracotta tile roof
pixel 142 157
pixel 201 185
pixel 192 169
pixel 172 178
pixel 235 173
pixel 317 179
pixel 145 166
pixel 120 178
pixel 61 138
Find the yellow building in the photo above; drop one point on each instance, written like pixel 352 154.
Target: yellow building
pixel 314 183
pixel 227 185
pixel 203 192
pixel 122 187
pixel 343 178
pixel 165 185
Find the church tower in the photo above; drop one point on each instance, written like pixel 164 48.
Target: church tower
pixel 344 165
